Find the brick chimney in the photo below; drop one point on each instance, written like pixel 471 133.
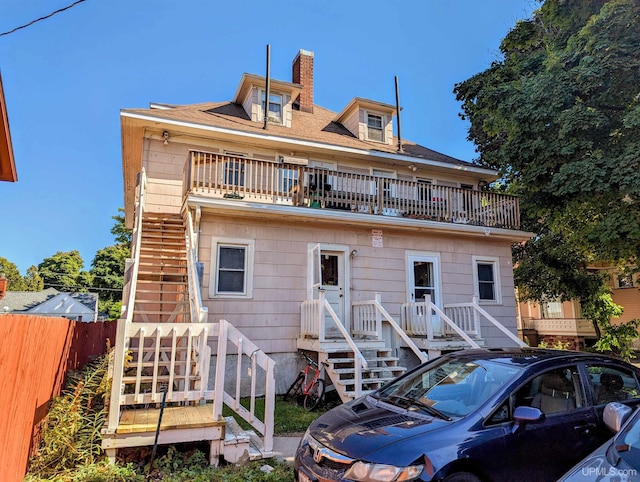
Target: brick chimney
pixel 302 73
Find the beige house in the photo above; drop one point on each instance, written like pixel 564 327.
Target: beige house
pixel 303 229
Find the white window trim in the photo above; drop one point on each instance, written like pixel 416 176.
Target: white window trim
pixel 383 122
pixel 249 265
pixel 262 92
pixel 496 279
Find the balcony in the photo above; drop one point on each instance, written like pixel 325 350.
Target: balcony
pixel 579 327
pixel 254 180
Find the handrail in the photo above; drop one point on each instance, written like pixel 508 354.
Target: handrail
pixel 259 180
pixel 359 361
pixel 127 310
pixel 450 322
pixel 257 359
pixel 414 348
pixel 199 312
pixel 496 323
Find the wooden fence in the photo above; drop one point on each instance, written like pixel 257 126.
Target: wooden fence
pixel 35 354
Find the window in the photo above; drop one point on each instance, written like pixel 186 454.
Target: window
pixel 624 281
pixel 374 128
pixel 612 384
pixel 486 279
pixel 275 107
pixel 232 268
pixel 287 179
pixel 552 308
pixel 555 391
pixel 234 170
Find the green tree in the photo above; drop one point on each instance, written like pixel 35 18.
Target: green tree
pixel 32 280
pixel 63 271
pixel 12 273
pixel 559 117
pixel 107 268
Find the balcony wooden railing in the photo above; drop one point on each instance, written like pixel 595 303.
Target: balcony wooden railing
pixel 234 177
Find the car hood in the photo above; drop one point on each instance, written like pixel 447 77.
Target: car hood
pixel 359 428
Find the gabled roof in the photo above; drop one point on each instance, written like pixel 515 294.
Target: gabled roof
pixel 318 127
pixel 249 80
pixel 51 302
pixel 7 162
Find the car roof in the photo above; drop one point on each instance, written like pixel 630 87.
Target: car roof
pixel 527 356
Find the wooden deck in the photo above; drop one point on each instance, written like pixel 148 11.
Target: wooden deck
pixel 137 428
pixel 146 420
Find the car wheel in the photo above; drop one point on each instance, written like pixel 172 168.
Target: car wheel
pixel 462 477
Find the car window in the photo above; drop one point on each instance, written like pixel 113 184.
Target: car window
pixel 612 384
pixel 554 391
pixel 627 442
pixel 454 387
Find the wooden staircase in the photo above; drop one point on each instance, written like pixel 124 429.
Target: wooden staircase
pixel 168 357
pixel 162 290
pixel 382 367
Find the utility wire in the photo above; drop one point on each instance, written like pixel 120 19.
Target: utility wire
pixel 41 18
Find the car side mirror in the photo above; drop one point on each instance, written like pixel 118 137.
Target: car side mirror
pixel 524 415
pixel 615 414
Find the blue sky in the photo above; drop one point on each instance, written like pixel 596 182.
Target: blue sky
pixel 66 79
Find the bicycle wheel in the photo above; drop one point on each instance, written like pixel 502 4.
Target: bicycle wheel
pixel 314 397
pixel 295 388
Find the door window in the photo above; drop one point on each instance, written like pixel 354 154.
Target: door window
pixel 555 391
pixel 612 384
pixel 424 281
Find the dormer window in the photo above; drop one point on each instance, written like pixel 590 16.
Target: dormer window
pixel 275 107
pixel 375 131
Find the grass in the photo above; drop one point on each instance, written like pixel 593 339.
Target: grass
pixel 290 417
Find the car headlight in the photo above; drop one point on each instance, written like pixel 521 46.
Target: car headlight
pixel 365 472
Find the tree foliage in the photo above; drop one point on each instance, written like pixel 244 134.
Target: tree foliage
pixel 12 273
pixel 107 268
pixel 63 271
pixel 559 117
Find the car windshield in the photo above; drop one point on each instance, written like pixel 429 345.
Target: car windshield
pixel 627 442
pixel 450 388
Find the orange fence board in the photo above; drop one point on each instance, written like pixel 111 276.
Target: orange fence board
pixel 35 354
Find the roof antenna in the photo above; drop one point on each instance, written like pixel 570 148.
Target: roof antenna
pixel 398 114
pixel 268 88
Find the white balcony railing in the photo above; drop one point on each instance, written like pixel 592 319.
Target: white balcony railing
pixel 233 177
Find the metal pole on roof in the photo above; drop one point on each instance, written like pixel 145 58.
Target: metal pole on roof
pixel 268 88
pixel 398 114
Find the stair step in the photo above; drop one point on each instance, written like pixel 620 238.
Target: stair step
pixel 342 371
pixel 336 361
pixel 352 394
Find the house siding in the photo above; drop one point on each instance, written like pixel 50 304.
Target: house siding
pixel 272 316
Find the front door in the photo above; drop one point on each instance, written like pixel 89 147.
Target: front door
pixel 332 282
pixel 423 283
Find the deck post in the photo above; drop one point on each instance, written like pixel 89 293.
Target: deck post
pixel 378 298
pixel 321 315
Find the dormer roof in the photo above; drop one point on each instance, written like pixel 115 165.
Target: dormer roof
pixel 360 103
pixel 251 80
pixel 7 162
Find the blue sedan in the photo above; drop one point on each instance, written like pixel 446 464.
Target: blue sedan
pixel 474 415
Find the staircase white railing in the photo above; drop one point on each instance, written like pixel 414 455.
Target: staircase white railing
pixel 199 312
pixel 128 299
pixel 313 324
pixel 474 306
pixel 256 359
pixel 367 320
pixel 462 319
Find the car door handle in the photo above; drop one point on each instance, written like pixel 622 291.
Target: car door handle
pixel 584 428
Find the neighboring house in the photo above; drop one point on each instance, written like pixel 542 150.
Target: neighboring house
pixel 555 320
pixel 51 302
pixel 313 230
pixel 7 162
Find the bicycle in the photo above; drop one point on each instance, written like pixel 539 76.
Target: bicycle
pixel 308 384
